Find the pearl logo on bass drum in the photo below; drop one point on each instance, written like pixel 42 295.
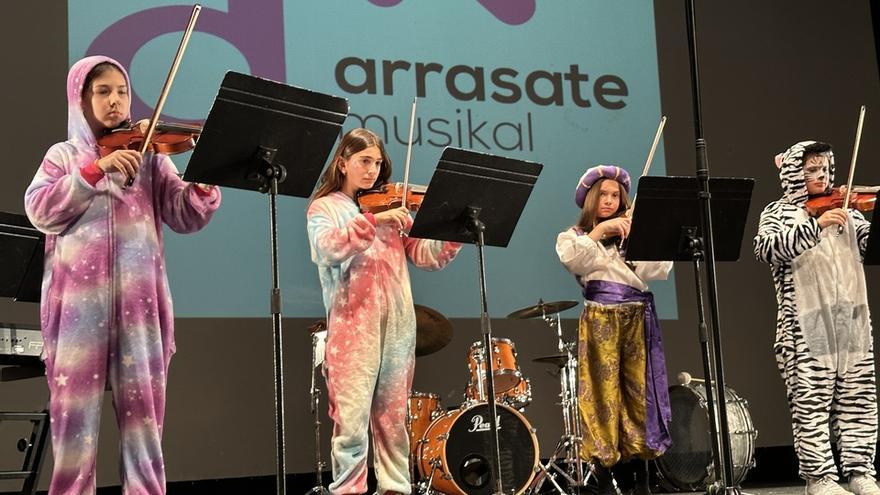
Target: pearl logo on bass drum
pixel 478 424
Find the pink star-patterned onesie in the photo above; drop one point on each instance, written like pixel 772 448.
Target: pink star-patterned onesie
pixel 371 337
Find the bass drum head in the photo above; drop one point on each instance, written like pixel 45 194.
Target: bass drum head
pixel 687 465
pixel 469 450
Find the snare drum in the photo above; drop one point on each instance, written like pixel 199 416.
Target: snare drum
pixel 458 451
pixel 504 368
pixel 421 410
pixel 687 465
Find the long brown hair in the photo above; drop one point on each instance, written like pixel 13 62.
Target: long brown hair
pixel 588 220
pixel 353 142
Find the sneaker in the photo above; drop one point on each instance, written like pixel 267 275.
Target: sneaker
pixel 825 486
pixel 863 484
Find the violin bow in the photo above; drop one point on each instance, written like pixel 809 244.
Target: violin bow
pixel 650 159
pixel 852 165
pixel 167 87
pixel 412 123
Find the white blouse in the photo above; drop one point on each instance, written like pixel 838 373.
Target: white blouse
pixel 590 260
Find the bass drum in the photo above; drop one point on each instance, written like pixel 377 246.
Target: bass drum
pixel 687 465
pixel 458 451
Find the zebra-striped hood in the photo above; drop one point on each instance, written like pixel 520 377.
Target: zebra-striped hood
pixel 791 171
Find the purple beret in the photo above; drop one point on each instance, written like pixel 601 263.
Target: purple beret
pixel 599 172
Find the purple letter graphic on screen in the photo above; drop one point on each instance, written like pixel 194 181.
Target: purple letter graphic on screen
pixel 512 12
pixel 256 29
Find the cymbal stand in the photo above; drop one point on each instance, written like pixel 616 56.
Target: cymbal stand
pixel 315 393
pixel 569 446
pixel 480 373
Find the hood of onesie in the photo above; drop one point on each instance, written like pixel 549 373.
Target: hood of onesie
pixel 78 130
pixel 791 170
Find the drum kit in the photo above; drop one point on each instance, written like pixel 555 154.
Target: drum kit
pixel 451 450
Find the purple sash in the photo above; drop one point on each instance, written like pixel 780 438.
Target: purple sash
pixel 657 400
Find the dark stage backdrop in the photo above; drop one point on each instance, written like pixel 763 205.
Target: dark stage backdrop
pixel 773 73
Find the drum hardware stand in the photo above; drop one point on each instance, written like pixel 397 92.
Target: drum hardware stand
pixel 315 393
pixel 479 355
pixel 424 487
pixel 571 441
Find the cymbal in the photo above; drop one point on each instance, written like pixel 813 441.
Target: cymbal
pixel 433 331
pixel 541 309
pixel 556 359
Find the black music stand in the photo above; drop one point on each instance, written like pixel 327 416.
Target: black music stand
pixel 258 134
pixel 21 249
pixel 476 198
pixel 872 252
pixel 667 212
pixel 667 226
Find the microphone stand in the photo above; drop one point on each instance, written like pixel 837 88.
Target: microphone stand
pixel 714 384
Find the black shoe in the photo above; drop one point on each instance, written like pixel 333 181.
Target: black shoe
pixel 604 481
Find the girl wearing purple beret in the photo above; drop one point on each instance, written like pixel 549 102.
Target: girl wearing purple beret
pixel 623 396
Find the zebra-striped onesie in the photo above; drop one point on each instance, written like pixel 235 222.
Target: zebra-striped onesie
pixel 817 392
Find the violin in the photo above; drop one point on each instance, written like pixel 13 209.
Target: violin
pixel 167 138
pixel 861 198
pixel 395 194
pixel 390 196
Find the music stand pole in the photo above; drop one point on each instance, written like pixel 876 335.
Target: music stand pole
pixel 477 228
pixel 276 174
pixel 695 244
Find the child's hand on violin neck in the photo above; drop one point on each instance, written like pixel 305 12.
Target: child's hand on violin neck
pixel 126 162
pixel 616 226
pixel 396 216
pixel 836 216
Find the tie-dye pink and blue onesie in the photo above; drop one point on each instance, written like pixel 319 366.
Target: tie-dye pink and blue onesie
pixel 106 312
pixel 370 351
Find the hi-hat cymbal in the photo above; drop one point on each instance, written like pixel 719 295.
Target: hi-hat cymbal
pixel 542 309
pixel 433 331
pixel 558 360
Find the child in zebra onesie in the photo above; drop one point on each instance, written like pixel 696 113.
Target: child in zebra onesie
pixel 823 331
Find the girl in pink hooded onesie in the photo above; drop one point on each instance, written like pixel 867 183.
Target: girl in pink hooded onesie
pixel 106 312
pixel 371 323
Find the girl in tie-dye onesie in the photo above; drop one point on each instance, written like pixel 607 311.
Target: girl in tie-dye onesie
pixel 370 351
pixel 106 312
